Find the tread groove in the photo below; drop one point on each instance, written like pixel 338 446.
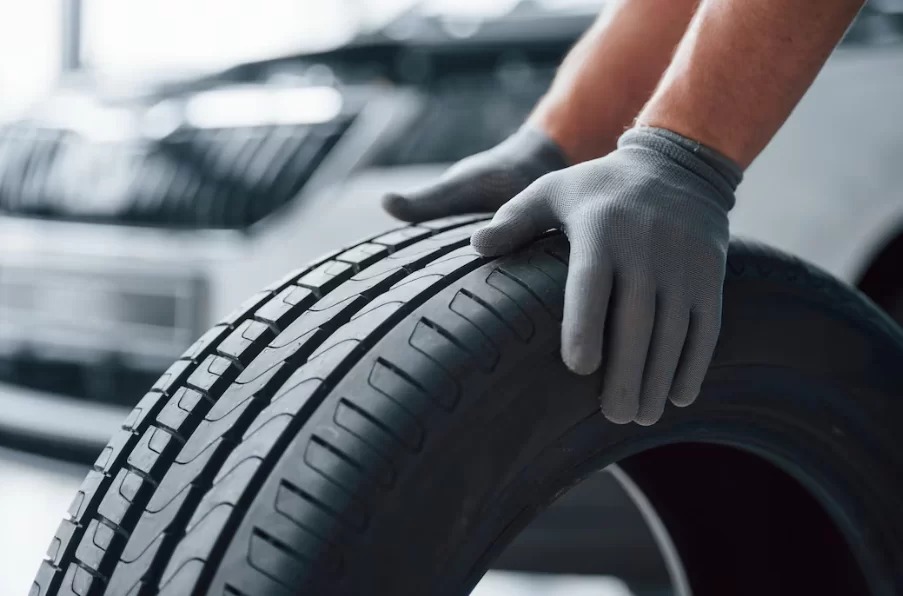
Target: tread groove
pixel 314 501
pixel 404 375
pixel 189 372
pixel 273 326
pixel 218 550
pixel 316 439
pixel 372 420
pixel 526 288
pixel 491 309
pixel 144 475
pixel 450 337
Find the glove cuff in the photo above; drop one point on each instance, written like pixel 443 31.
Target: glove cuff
pixel 711 165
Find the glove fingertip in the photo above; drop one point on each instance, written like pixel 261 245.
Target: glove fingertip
pixel 616 411
pixel 487 241
pixel 399 207
pixel 684 398
pixel 580 360
pixel 502 235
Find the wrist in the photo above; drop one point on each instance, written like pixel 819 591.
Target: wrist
pixel 580 138
pixel 720 172
pixel 724 142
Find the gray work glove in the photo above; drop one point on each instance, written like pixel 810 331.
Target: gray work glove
pixel 649 234
pixel 482 182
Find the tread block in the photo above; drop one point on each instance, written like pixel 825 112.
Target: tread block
pixel 79 581
pixel 358 331
pixel 94 547
pixel 183 580
pixel 293 275
pixel 360 289
pixel 249 305
pixel 173 376
pixel 183 473
pixel 326 277
pixel 111 455
pixel 312 320
pixel 45 579
pixel 241 392
pixel 152 525
pixel 86 495
pixel 289 400
pixel 363 255
pixel 455 220
pixel 196 545
pixel 204 344
pixel 146 456
pixel 177 415
pixel 255 445
pixel 245 341
pixel 398 239
pixel 412 256
pixel 227 488
pixel 144 410
pixel 62 538
pixel 128 488
pixel 213 375
pixel 280 309
pixel 126 578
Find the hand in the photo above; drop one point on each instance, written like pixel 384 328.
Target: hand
pixel 649 234
pixel 482 182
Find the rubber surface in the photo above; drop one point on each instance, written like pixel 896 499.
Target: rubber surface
pixel 386 420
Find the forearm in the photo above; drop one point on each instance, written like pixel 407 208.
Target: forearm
pixel 742 68
pixel 609 75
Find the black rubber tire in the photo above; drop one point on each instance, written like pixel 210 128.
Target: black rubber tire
pixel 387 420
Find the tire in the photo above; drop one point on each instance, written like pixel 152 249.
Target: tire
pixel 387 420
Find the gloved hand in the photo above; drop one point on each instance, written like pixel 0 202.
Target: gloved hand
pixel 482 182
pixel 649 235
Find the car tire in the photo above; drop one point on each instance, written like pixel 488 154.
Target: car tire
pixel 388 419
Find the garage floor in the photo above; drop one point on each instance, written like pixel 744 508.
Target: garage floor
pixel 34 495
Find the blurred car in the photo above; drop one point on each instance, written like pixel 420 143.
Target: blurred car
pixel 133 221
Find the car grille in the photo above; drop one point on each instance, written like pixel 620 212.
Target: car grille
pixel 227 178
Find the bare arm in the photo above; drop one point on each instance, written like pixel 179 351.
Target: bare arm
pixel 609 75
pixel 742 68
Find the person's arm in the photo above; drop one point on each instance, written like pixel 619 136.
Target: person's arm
pixel 609 75
pixel 647 223
pixel 598 90
pixel 741 69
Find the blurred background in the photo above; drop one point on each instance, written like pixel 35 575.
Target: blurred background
pixel 161 161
